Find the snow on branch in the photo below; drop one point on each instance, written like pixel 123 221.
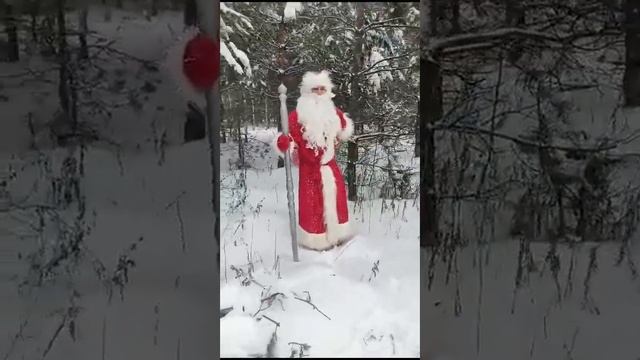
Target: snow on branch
pixel 383 60
pixel 496 35
pixel 377 23
pixel 487 39
pixel 226 54
pixel 291 9
pixel 394 26
pixel 227 10
pixel 308 301
pixel 242 56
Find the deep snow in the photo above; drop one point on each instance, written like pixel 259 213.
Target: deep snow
pixel 368 315
pixel 170 305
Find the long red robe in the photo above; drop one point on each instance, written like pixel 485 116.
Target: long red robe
pixel 322 194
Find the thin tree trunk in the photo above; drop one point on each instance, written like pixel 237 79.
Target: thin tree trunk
pixel 282 63
pixel 13 54
pixel 434 15
pixel 34 9
pixel 354 103
pixel 154 7
pixel 515 17
pixel 84 29
pixel 223 131
pixel 416 149
pixel 190 13
pixel 240 143
pixel 253 112
pixel 631 79
pixel 455 17
pixel 107 10
pixel 119 4
pixel 431 110
pixel 210 26
pixel 63 61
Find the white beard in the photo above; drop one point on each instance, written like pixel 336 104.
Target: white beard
pixel 318 117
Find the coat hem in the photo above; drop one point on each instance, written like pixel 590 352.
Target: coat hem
pixel 320 241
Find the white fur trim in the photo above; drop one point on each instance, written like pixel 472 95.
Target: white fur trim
pixel 330 152
pixel 311 79
pixel 173 65
pixel 274 145
pixel 329 195
pixel 320 121
pixel 346 133
pixel 319 241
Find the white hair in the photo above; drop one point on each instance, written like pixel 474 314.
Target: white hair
pixel 312 79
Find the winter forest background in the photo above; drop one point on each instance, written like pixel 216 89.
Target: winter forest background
pixel 530 122
pixel 106 231
pixel 361 299
pixel 530 159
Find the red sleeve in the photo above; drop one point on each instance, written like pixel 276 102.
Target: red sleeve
pixel 343 122
pixel 305 154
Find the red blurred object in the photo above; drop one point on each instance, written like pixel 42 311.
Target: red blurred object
pixel 201 62
pixel 283 142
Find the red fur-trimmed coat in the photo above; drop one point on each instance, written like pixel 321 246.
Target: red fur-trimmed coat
pixel 322 194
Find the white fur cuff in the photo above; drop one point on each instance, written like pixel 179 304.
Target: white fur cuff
pixel 274 145
pixel 347 131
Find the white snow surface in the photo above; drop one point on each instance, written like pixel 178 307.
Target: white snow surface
pixel 368 316
pixel 169 288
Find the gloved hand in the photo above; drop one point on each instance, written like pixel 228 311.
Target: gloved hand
pixel 283 142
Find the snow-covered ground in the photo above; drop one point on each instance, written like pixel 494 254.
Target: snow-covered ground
pixel 170 299
pixel 366 292
pixel 169 308
pixel 472 309
pixel 133 123
pixel 597 321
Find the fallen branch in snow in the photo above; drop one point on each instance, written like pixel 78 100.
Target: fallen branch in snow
pixel 30 73
pixel 68 321
pixel 374 270
pixel 269 300
pixel 54 337
pixel 225 311
pixel 175 201
pixel 18 336
pixel 270 319
pixel 150 64
pixel 302 348
pixel 393 344
pixel 308 301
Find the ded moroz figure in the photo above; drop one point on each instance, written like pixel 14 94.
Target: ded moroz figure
pixel 316 127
